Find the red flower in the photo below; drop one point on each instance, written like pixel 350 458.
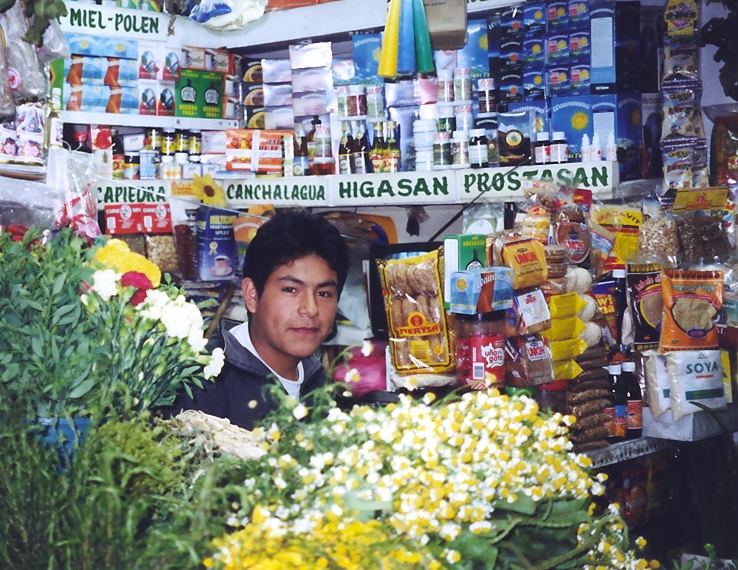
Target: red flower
pixel 140 282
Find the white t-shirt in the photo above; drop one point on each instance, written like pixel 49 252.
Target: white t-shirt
pixel 241 334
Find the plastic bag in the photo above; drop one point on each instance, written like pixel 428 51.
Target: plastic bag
pixel 30 204
pixel 695 376
pixel 658 385
pixel 54 44
pixel 73 173
pixel 227 15
pixel 24 74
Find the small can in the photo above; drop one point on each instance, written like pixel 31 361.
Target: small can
pixel 153 140
pixel 148 165
pixel 182 142
pixel 132 166
pixel 168 146
pixel 195 148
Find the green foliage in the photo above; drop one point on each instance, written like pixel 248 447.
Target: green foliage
pixel 46 357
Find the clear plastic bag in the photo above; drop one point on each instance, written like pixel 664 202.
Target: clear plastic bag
pixel 25 74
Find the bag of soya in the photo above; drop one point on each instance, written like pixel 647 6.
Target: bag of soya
pixel 658 385
pixel 695 376
pixel 692 301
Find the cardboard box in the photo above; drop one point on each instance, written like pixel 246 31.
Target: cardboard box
pixel 149 64
pixel 446 23
pixel 573 116
pixel 615 46
pixel 540 112
pixel 199 94
pixel 621 115
pixel 171 62
pixel 166 105
pixel 148 96
pixel 84 44
pixel 461 253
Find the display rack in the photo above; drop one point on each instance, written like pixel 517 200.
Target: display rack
pixel 626 450
pixel 124 120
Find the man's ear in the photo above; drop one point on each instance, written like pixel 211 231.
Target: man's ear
pixel 250 295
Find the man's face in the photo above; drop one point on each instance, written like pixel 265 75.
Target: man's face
pixel 294 312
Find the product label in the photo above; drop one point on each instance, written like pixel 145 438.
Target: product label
pixel 635 414
pixel 620 421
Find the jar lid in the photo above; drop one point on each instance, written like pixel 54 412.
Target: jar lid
pixel 461 135
pixel 462 71
pixel 342 89
pixel 132 155
pixel 555 386
pixel 445 74
pixel 628 366
pixel 169 130
pixel 477 133
pixel 482 317
pixel 356 89
pixel 486 84
pixel 559 135
pixel 542 137
pixel 614 369
pixel 463 108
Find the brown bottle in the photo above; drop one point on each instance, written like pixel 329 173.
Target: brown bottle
pixel 300 164
pixel 344 151
pixel 377 152
pixel 360 161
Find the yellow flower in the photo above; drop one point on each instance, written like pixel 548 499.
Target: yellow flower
pixel 208 191
pixel 116 255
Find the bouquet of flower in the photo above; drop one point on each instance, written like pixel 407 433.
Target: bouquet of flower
pixel 482 481
pixel 92 330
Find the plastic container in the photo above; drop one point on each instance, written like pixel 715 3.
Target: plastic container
pixel 462 84
pixel 132 166
pixel 445 86
pixel 356 102
pixel 375 102
pixel 460 149
pixel 446 118
pixel 342 92
pixel 442 156
pixel 464 118
pixel 478 149
pixel 480 353
pixel 486 95
pixel 552 396
pixel 542 149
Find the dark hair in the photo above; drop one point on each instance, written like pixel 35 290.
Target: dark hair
pixel 290 235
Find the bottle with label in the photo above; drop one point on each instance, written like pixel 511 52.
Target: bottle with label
pixel 475 262
pixel 542 149
pixel 360 161
pixel 344 151
pixel 559 148
pixel 300 161
pixel 478 149
pixel 54 124
pixel 392 156
pixel 377 152
pixel 621 300
pixel 119 158
pixel 195 144
pixel 619 421
pixel 635 401
pixel 168 142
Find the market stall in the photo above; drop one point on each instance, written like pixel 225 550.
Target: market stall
pixel 538 323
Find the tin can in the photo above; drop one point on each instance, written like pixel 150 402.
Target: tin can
pixel 132 167
pixel 480 353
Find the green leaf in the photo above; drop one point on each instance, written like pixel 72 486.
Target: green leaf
pixel 475 547
pixel 524 505
pixel 58 284
pixel 37 347
pixel 10 372
pixel 81 389
pixel 568 512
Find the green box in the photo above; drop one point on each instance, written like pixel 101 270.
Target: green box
pixel 199 94
pixel 461 252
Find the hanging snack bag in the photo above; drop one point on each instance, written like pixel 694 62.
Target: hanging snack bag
pixel 703 238
pixel 602 242
pixel 681 62
pixel 624 223
pixel 603 291
pixel 644 295
pixel 528 315
pixel 696 376
pixel 419 336
pixel 527 260
pixel 527 361
pixel 658 385
pixel 566 369
pixel 677 164
pixel 681 17
pixel 692 301
pixel 572 232
pixel 682 112
pixel 567 349
pixel 565 305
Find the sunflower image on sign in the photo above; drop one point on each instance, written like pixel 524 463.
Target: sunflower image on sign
pixel 208 191
pixel 579 121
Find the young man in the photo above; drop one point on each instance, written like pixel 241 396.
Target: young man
pixel 294 271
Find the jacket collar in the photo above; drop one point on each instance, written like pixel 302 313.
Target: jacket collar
pixel 241 358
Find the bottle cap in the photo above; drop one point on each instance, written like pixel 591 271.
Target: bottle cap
pixel 618 273
pixel 629 366
pixel 542 137
pixel 559 135
pixel 461 135
pixel 445 74
pixel 614 369
pixel 477 133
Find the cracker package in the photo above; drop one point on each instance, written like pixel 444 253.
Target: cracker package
pixel 418 331
pixel 527 259
pixel 644 295
pixel 527 361
pixel 692 301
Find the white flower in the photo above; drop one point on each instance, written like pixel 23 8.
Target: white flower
pixel 367 347
pixel 84 299
pixel 353 375
pixel 105 283
pixel 175 319
pixel 196 340
pixel 300 411
pixel 154 304
pixel 215 365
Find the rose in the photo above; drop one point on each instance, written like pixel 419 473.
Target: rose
pixel 138 280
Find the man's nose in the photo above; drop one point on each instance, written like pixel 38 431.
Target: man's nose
pixel 308 306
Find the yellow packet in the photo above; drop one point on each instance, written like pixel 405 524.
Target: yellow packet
pixel 562 329
pixel 567 349
pixel 566 369
pixel 625 224
pixel 565 305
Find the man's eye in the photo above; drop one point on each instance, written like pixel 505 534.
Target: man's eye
pixel 288 289
pixel 326 294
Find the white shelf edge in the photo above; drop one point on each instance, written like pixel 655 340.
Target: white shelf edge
pixel 87 118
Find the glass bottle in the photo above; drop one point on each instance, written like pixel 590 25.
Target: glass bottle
pixel 635 401
pixel 377 152
pixel 119 157
pixel 300 165
pixel 344 151
pixel 392 156
pixel 360 160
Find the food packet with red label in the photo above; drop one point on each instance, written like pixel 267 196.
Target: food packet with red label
pixel 418 330
pixel 527 361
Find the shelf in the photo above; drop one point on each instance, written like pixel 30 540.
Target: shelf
pixel 501 184
pixel 124 120
pixel 692 427
pixel 324 20
pixel 109 21
pixel 626 450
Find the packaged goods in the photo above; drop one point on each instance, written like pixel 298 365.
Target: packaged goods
pixel 527 260
pixel 644 295
pixel 566 369
pixel 587 313
pixel 577 280
pixel 695 376
pixel 602 243
pixel 557 259
pixel 161 250
pixel 563 329
pixel 481 291
pixel 692 300
pixel 527 361
pixel 528 315
pixel 702 238
pixel 565 305
pixel 635 496
pixel 552 396
pixel 658 385
pixel 603 291
pixel 419 336
pixel 658 236
pixel 567 349
pixel 572 232
pixel 682 112
pixel 624 223
pixel 216 245
pixel 480 355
